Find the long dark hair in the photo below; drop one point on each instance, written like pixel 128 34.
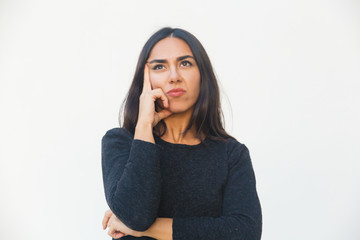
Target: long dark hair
pixel 207 115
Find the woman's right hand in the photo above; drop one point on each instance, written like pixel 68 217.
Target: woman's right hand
pixel 147 113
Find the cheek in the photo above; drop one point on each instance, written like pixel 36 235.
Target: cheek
pixel 155 82
pixel 195 84
pixel 158 80
pixel 197 89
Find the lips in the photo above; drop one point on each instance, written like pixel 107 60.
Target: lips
pixel 176 92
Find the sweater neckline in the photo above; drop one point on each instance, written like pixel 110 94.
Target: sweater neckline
pixel 179 145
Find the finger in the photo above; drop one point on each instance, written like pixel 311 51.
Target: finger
pixel 115 234
pixel 110 221
pixel 159 94
pixel 106 218
pixel 111 232
pixel 164 114
pixel 118 234
pixel 146 84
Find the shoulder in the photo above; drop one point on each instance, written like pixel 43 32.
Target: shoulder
pixel 115 148
pixel 117 135
pixel 234 146
pixel 236 151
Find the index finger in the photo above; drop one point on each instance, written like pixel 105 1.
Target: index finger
pixel 106 218
pixel 146 84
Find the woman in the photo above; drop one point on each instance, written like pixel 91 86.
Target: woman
pixel 171 171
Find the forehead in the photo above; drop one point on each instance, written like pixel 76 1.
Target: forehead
pixel 170 47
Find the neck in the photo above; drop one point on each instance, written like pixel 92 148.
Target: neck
pixel 176 125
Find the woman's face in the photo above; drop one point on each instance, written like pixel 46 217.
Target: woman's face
pixel 172 65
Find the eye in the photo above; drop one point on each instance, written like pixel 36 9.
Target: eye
pixel 158 67
pixel 186 63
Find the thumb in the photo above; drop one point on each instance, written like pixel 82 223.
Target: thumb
pixel 118 235
pixel 164 114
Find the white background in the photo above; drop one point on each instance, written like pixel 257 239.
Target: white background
pixel 290 69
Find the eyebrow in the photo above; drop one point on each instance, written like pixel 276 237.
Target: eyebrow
pixel 165 61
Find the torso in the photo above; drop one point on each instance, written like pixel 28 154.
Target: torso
pixel 193 178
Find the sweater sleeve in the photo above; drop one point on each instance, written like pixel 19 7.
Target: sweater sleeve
pixel 131 176
pixel 241 210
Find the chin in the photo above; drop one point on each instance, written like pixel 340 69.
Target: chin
pixel 176 110
pixel 179 109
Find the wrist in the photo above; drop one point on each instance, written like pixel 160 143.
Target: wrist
pixel 144 131
pixel 149 232
pixel 142 125
pixel 161 229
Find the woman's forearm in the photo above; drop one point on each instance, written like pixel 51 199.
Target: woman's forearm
pixel 144 132
pixel 132 178
pixel 161 229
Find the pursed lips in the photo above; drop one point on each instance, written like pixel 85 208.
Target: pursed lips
pixel 176 92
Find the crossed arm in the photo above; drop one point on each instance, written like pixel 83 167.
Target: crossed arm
pixel 132 188
pixel 161 229
pixel 130 170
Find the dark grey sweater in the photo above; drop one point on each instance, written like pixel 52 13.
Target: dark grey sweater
pixel 210 192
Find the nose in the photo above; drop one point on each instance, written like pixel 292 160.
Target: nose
pixel 174 75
